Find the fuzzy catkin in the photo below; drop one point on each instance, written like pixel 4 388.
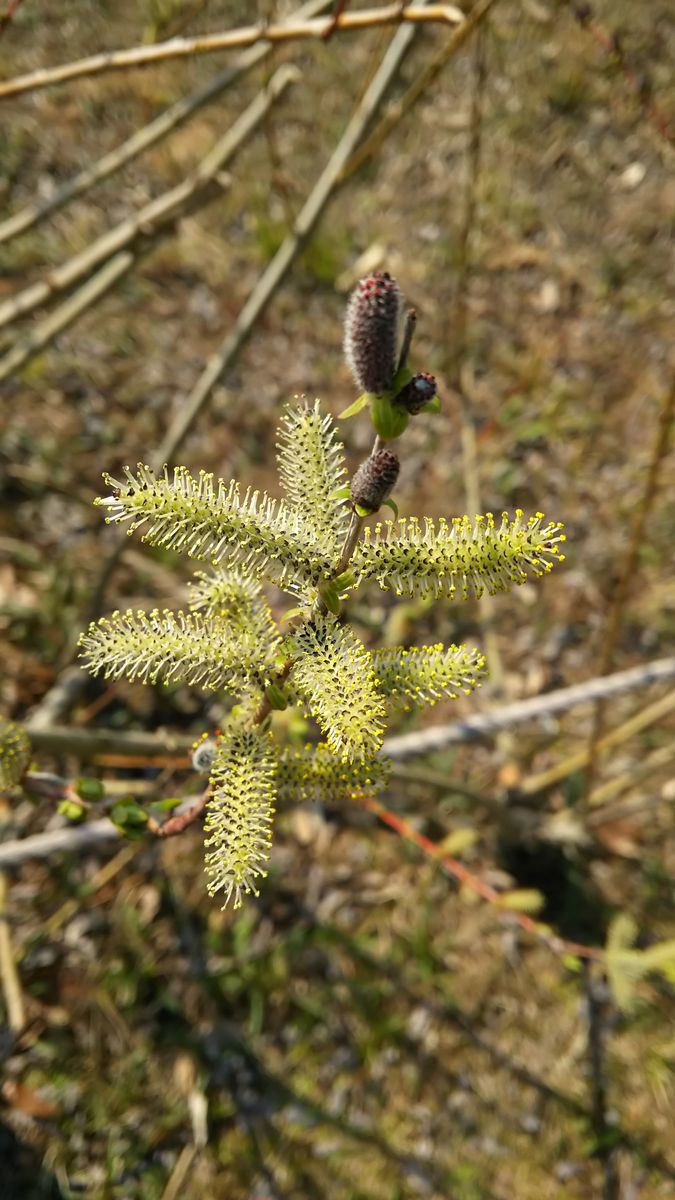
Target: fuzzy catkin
pixel 374 480
pixel 371 331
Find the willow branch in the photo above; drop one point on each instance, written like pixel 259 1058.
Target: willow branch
pixel 201 186
pixel 233 39
pixel 144 138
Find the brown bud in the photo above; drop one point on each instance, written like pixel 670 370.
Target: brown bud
pixel 420 390
pixel 371 331
pixel 374 480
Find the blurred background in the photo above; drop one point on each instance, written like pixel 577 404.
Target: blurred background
pixel 366 1028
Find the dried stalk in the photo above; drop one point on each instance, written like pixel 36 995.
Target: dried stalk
pixel 627 574
pixel 277 269
pixel 234 39
pixel 9 977
pixel 148 136
pixel 160 214
pixel 635 724
pixel 400 108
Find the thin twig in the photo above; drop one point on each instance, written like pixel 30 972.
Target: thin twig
pixel 475 884
pixel 606 794
pixel 86 296
pixel 635 724
pixel 234 39
pixel 200 186
pixel 277 269
pixel 425 741
pixel 400 108
pixel 603 1132
pixel 143 138
pixel 11 987
pixel 626 577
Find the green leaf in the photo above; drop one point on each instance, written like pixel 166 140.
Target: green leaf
pixel 393 506
pixel 311 469
pixel 434 406
pixel 71 810
pixel 329 594
pixel 334 673
pixel 344 581
pixel 401 378
pixel 456 559
pixel 389 419
pixel 128 816
pixel 91 790
pixel 342 493
pixel 166 805
pixel 239 813
pixel 356 407
pixel 276 697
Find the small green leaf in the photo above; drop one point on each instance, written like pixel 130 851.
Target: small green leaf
pixel 287 616
pixel 128 816
pixel 276 697
pixel 71 810
pixel 91 790
pixel 434 406
pixel 166 805
pixel 393 506
pixel 341 493
pixel 361 511
pixel 344 581
pixel 356 407
pixel 401 378
pixel 389 419
pixel 525 900
pixel 329 594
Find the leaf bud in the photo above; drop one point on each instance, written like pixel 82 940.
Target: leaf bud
pixel 374 481
pixel 371 331
pixel 417 393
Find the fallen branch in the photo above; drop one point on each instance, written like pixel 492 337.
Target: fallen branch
pixel 201 186
pixel 233 39
pixel 88 744
pixel 144 138
pixel 536 708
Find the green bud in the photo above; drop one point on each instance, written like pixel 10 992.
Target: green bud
pixel 276 697
pixel 388 420
pixel 71 810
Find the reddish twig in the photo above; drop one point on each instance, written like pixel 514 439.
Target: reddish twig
pixel 7 17
pixel 466 877
pixel 181 820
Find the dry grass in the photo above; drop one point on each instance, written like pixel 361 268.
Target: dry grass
pixel 358 1032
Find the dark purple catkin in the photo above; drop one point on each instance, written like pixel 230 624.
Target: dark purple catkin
pixel 418 392
pixel 374 480
pixel 371 331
